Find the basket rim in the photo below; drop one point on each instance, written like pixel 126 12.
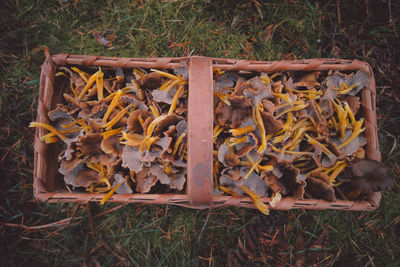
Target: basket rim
pixel 183 199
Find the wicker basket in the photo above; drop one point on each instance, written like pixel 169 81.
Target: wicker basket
pixel 49 187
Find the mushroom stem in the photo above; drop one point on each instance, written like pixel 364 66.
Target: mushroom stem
pixel 165 74
pixel 50 136
pixel 345 91
pixel 110 133
pixel 223 98
pixel 227 190
pixel 72 124
pixel 243 130
pixel 337 171
pixel 99 84
pixel 147 143
pixel 356 131
pixel 153 125
pixel 109 194
pixel 259 122
pixel 253 167
pixel 71 86
pixel 116 119
pixel 154 110
pixel 113 104
pixel 234 141
pixel 335 124
pixel 175 100
pixel 132 176
pixel 89 83
pixel 217 132
pixel 49 128
pixel 351 115
pixel 256 200
pixel 266 167
pixel 165 85
pixel 294 108
pixel 178 142
pixel 173 84
pixel 342 115
pixel 133 140
pixel 83 74
pixel 287 129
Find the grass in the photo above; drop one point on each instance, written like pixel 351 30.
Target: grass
pixel 174 236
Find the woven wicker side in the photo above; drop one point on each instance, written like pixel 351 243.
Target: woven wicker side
pixel 117 62
pixel 293 65
pixel 368 96
pixel 43 181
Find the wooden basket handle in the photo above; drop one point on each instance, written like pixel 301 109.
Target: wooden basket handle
pixel 200 132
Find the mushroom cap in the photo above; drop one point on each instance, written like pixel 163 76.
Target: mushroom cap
pixel 151 81
pixel 322 124
pixel 164 96
pixel 90 144
pixel 133 99
pixel 145 180
pixel 163 125
pixel 61 112
pixel 370 176
pixel 268 106
pixel 112 146
pixel 318 186
pixel 271 124
pixel 175 181
pixel 273 183
pixel 85 178
pixel 232 159
pixel 290 179
pixel 131 159
pixel 133 123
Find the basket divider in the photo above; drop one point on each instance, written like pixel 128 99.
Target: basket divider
pixel 200 132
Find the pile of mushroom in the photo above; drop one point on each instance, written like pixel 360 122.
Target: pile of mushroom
pixel 296 134
pixel 122 130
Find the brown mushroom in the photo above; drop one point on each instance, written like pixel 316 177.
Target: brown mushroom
pixel 90 144
pixel 271 124
pixel 85 178
pixel 290 179
pixel 354 103
pixel 133 122
pixel 273 183
pixel 61 112
pixel 223 113
pixel 165 123
pixel 112 146
pixel 370 176
pixel 151 81
pixel 232 159
pixel 318 186
pixel 322 124
pixel 268 106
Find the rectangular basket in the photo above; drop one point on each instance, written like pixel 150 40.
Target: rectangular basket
pixel 199 187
